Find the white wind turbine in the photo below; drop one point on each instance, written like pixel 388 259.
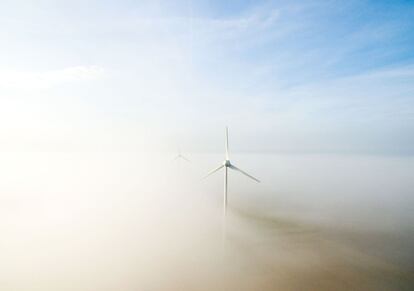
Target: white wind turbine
pixel 228 165
pixel 180 156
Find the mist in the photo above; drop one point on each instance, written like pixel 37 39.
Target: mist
pixel 112 220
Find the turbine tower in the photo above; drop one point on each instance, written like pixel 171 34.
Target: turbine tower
pixel 228 165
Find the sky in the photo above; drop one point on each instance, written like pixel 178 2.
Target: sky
pixel 303 76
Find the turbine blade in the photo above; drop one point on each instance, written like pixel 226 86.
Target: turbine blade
pixel 213 171
pixel 244 173
pixel 184 158
pixel 227 143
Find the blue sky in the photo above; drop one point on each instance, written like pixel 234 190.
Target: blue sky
pixel 303 76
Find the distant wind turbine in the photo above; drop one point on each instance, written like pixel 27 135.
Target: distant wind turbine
pixel 227 164
pixel 180 156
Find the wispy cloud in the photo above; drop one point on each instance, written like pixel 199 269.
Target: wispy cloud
pixel 47 79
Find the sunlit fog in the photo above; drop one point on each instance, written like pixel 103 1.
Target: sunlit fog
pixel 117 172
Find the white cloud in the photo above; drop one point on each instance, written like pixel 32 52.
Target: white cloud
pixel 46 79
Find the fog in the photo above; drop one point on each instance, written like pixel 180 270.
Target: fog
pixel 142 221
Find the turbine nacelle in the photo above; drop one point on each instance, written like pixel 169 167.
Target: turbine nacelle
pixel 227 163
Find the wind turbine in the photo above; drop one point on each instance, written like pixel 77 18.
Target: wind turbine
pixel 228 165
pixel 180 156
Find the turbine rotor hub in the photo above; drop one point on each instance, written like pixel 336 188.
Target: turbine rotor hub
pixel 227 163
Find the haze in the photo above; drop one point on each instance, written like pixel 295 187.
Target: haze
pixel 98 97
